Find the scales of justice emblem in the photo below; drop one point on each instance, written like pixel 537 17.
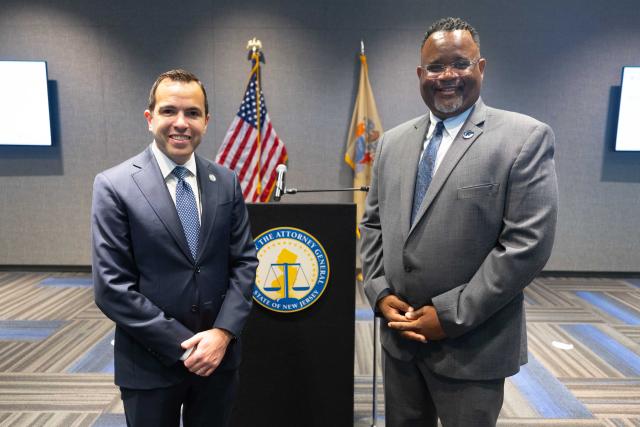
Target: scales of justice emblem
pixel 293 271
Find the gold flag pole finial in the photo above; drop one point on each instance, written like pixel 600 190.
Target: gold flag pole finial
pixel 254 46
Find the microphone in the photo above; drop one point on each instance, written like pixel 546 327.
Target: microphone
pixel 282 170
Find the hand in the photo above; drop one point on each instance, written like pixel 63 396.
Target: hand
pixel 393 308
pixel 209 349
pixel 420 325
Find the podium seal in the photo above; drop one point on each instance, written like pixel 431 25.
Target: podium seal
pixel 293 271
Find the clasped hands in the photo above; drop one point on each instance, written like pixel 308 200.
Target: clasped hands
pixel 209 348
pixel 420 324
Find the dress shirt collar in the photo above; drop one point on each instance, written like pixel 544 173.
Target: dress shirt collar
pixel 452 125
pixel 167 165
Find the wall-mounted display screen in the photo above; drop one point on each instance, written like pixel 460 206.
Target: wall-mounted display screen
pixel 628 136
pixel 24 109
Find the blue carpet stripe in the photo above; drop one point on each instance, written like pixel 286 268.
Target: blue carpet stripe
pixel 546 394
pixel 529 301
pixel 606 348
pixel 611 307
pixel 364 314
pixel 110 420
pixel 68 282
pixel 99 359
pixel 28 330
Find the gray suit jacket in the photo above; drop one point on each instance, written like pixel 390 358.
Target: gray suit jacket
pixel 145 278
pixel 484 230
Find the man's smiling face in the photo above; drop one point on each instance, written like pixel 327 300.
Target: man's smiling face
pixel 451 92
pixel 178 120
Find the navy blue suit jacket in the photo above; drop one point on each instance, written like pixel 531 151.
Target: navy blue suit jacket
pixel 145 278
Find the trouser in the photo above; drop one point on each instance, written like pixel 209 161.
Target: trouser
pixel 205 401
pixel 415 396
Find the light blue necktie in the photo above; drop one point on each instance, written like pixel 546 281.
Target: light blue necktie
pixel 426 168
pixel 187 209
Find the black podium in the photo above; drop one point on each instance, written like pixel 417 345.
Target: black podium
pixel 297 367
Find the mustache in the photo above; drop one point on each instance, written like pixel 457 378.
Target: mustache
pixel 448 85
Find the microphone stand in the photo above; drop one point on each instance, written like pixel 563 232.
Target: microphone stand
pixel 364 188
pixel 374 393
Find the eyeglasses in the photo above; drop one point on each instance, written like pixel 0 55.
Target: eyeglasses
pixel 458 66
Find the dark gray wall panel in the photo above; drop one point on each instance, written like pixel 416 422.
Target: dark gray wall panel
pixel 557 61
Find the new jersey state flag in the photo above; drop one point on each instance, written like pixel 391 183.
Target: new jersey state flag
pixel 364 132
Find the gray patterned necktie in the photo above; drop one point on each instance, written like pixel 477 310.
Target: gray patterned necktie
pixel 187 209
pixel 426 168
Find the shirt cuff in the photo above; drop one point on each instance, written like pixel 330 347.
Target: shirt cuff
pixel 384 293
pixel 186 354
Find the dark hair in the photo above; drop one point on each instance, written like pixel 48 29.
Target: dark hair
pixel 451 24
pixel 176 76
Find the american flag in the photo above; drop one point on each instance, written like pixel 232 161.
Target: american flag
pixel 241 150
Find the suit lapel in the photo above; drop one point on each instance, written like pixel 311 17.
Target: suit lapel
pixel 208 183
pixel 410 157
pixel 458 148
pixel 151 183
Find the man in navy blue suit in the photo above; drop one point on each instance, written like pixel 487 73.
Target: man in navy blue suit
pixel 173 266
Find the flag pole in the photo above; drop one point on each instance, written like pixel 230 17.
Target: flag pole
pixel 256 55
pixel 374 392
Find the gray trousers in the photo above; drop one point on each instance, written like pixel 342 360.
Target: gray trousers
pixel 415 396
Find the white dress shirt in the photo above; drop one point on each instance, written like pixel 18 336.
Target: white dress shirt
pixel 166 167
pixel 452 126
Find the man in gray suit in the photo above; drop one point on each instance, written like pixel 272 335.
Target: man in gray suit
pixel 173 266
pixel 459 220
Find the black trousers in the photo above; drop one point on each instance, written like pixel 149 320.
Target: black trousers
pixel 417 397
pixel 205 401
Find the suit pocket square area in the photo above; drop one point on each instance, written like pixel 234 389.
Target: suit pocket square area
pixel 481 190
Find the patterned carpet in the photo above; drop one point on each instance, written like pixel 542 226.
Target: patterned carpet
pixel 56 361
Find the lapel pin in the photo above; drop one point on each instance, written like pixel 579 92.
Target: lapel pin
pixel 467 134
pixel 212 177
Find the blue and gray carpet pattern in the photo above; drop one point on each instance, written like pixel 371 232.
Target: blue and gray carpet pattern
pixel 56 355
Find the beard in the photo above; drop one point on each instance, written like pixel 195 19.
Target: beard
pixel 449 106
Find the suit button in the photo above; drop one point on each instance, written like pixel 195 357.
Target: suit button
pixel 407 268
pixel 194 308
pixel 197 269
